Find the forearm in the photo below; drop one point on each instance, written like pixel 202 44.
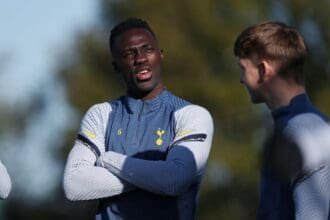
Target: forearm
pixel 185 160
pixel 5 182
pixel 170 177
pixel 84 181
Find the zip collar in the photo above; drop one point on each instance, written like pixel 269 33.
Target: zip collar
pixel 296 105
pixel 138 106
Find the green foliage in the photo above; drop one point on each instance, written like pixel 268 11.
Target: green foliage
pixel 90 78
pixel 197 38
pixel 199 65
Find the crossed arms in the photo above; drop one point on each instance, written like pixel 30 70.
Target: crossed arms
pixel 89 176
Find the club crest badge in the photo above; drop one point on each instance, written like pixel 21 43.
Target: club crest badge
pixel 159 133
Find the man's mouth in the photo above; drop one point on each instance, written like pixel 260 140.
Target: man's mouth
pixel 143 75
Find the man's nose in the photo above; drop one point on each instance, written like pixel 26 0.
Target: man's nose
pixel 140 56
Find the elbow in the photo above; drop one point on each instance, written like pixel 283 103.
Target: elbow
pixel 178 182
pixel 5 191
pixel 71 191
pixel 70 195
pixel 178 186
pixel 175 190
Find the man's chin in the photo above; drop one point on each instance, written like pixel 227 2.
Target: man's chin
pixel 256 100
pixel 145 86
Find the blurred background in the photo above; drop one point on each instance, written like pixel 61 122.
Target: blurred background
pixel 55 63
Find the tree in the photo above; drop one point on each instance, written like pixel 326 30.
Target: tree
pixel 197 38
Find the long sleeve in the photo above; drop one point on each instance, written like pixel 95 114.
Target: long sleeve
pixel 82 179
pixel 185 162
pixel 5 182
pixel 311 134
pixel 311 191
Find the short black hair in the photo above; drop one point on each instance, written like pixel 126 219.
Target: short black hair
pixel 125 25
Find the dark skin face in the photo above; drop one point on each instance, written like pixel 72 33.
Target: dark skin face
pixel 137 57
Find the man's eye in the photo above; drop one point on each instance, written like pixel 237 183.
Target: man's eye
pixel 148 49
pixel 128 53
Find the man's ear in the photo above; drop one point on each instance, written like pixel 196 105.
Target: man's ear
pixel 261 71
pixel 266 71
pixel 115 66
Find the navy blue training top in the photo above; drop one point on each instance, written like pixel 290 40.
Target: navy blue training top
pixel 276 196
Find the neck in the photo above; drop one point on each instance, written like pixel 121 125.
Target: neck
pixel 147 95
pixel 282 95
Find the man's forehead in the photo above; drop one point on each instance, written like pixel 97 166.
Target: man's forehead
pixel 135 32
pixel 135 37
